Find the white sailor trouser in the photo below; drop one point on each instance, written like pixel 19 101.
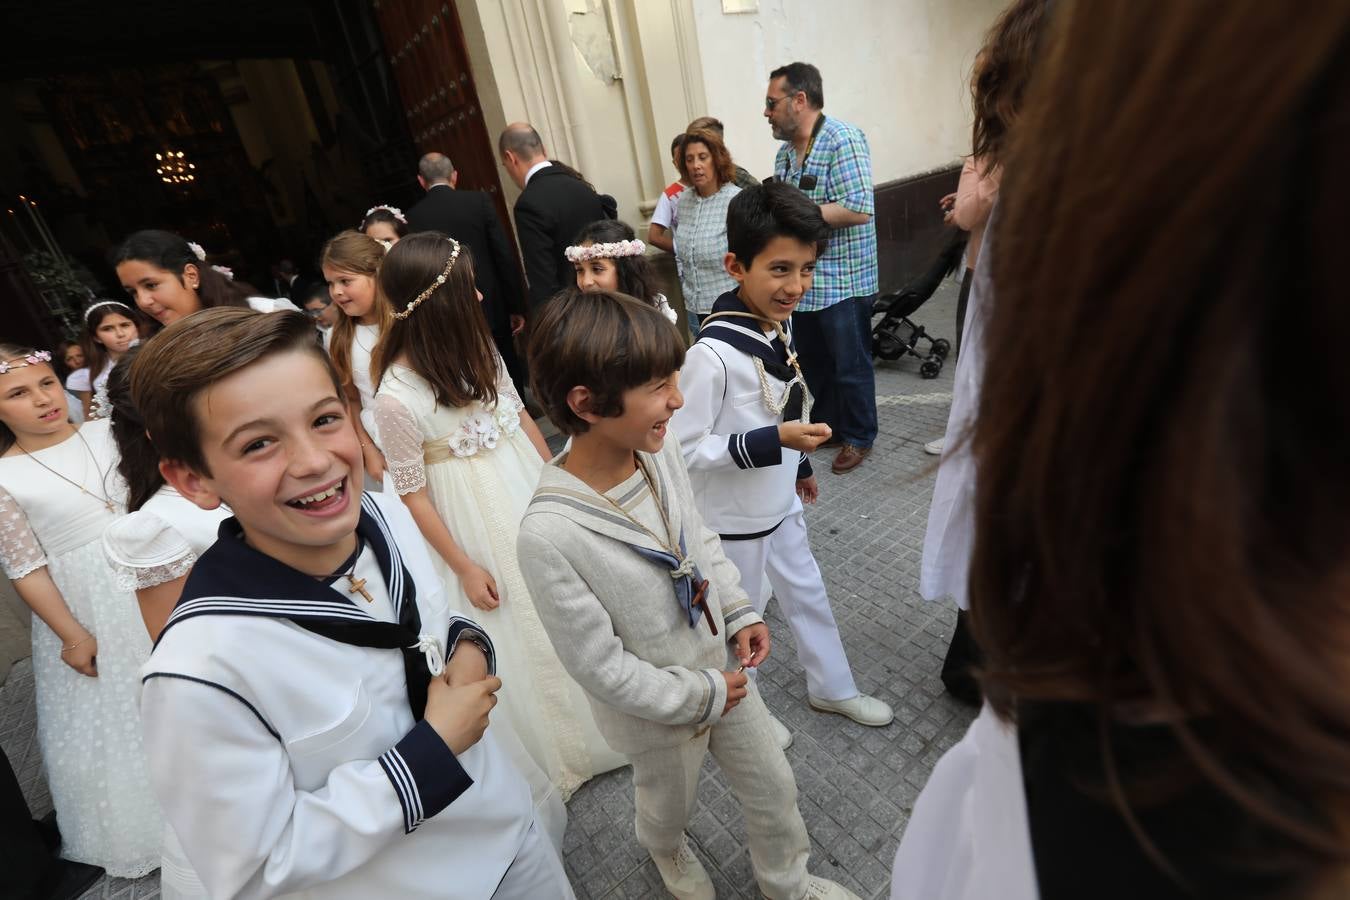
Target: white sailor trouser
pixel 785 557
pixel 536 873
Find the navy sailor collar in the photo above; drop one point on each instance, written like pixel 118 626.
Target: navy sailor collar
pixel 232 578
pixel 747 336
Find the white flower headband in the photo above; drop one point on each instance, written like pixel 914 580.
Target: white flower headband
pixel 23 362
pixel 605 251
pixel 392 210
pixel 440 280
pixel 198 252
pixel 105 303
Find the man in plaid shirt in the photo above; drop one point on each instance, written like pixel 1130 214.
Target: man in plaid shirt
pixel 829 160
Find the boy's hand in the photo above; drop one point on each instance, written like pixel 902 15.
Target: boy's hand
pixel 480 587
pixel 808 490
pixel 467 665
pixel 460 714
pixel 752 644
pixel 803 436
pixel 736 689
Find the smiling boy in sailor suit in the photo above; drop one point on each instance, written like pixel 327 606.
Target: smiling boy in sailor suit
pixel 745 429
pixel 315 716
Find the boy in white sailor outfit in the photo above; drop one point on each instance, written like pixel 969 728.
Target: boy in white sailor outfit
pixel 745 430
pixel 315 716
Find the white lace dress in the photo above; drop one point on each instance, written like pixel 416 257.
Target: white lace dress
pixel 480 470
pixel 155 544
pixel 88 728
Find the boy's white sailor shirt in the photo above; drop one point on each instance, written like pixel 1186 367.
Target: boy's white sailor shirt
pixel 290 764
pixel 744 479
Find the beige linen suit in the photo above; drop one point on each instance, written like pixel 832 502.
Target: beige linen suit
pixel 654 682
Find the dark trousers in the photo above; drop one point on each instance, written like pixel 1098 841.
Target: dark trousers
pixel 961 300
pixel 963 658
pixel 835 348
pixel 25 859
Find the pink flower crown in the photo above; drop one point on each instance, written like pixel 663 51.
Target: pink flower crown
pixel 23 362
pixel 605 251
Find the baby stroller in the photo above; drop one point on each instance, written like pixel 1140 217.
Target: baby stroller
pixel 895 336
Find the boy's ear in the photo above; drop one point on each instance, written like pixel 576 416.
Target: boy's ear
pixel 734 267
pixel 189 483
pixel 579 401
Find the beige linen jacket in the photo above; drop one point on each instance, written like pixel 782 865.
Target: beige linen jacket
pixel 613 616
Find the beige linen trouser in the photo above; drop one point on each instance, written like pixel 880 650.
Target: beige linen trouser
pixel 666 782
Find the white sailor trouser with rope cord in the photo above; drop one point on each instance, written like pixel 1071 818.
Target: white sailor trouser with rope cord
pixel 784 559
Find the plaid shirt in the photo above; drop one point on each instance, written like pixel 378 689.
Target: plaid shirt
pixel 700 245
pixel 842 166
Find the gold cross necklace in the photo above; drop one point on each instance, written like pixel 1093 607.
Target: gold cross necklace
pixel 103 476
pixel 355 585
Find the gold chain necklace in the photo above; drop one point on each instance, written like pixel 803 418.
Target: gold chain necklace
pixel 103 476
pixel 773 404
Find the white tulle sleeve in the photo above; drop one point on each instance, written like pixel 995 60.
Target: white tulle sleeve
pixel 144 551
pixel 20 552
pixel 401 441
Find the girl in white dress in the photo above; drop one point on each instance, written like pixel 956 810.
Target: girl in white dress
pixel 168 278
pixel 151 550
pixel 608 257
pixel 109 331
pixel 350 263
pixel 465 457
pixel 58 491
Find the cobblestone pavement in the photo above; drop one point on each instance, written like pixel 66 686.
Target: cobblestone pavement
pixel 856 785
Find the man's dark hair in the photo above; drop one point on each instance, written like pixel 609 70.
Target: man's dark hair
pixel 804 77
pixel 605 342
pixel 763 212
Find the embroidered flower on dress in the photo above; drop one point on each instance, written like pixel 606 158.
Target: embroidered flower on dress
pixel 481 423
pixel 464 443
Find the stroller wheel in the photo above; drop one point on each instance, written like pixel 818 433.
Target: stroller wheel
pixel 930 368
pixel 942 347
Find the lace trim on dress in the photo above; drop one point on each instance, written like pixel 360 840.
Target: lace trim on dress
pixel 134 578
pixel 401 437
pixel 20 552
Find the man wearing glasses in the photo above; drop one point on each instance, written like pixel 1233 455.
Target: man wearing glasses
pixel 830 161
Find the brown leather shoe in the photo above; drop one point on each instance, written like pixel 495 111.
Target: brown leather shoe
pixel 849 458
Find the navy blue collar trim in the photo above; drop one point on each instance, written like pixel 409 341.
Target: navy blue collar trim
pixel 748 337
pixel 232 578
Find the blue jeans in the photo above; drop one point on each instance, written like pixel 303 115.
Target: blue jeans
pixel 835 348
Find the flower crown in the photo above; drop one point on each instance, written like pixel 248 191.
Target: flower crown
pixel 431 289
pixel 392 210
pixel 605 251
pixel 23 362
pixel 198 252
pixel 105 303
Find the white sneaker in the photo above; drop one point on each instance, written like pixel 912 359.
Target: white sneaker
pixel 780 732
pixel 684 875
pixel 934 448
pixel 862 709
pixel 818 888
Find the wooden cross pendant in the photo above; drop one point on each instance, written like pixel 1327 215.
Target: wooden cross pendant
pixel 358 585
pixel 700 600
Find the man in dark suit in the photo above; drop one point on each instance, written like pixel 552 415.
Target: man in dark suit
pixel 471 218
pixel 555 203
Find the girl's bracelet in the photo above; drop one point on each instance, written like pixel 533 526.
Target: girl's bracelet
pixel 65 650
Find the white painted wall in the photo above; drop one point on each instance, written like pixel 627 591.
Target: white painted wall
pixel 898 69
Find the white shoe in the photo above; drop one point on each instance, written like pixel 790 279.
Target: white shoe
pixel 934 448
pixel 862 709
pixel 780 732
pixel 684 875
pixel 818 888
